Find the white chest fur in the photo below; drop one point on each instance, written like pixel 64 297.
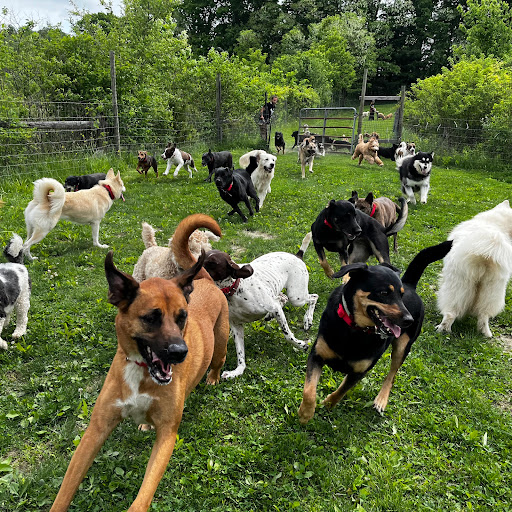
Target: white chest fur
pixel 136 405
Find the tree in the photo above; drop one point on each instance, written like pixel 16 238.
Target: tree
pixel 487 28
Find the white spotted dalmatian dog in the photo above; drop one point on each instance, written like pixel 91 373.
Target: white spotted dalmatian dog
pixel 254 292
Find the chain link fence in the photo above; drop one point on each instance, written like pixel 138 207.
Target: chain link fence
pixel 39 135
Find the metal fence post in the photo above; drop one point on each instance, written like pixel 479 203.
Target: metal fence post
pixel 117 136
pixel 361 102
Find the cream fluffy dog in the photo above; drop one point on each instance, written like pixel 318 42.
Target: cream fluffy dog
pixel 51 203
pixel 263 174
pixel 477 269
pixel 158 261
pixel 368 150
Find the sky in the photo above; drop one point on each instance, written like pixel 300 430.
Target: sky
pixel 45 12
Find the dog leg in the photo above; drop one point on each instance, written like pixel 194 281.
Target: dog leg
pixel 238 337
pixel 236 209
pixel 378 161
pixel 168 168
pixel 311 164
pixel 3 343
pixel 105 417
pixel 395 243
pixel 95 227
pixel 159 459
pixel 313 373
pixel 409 194
pixel 221 335
pixel 177 170
pixel 275 309
pixel 424 193
pixel 36 236
pixel 187 167
pixel 483 325
pixel 308 317
pixel 303 169
pixel 401 347
pixel 22 307
pixel 446 322
pixel 350 380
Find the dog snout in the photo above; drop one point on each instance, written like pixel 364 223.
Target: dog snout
pixel 407 319
pixel 176 352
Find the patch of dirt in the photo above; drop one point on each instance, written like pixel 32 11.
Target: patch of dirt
pixel 236 252
pixel 258 234
pixel 506 343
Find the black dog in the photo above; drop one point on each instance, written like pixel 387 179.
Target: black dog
pixel 214 160
pixel 362 318
pixel 236 186
pixel 388 152
pixel 74 183
pixel 279 142
pixel 354 235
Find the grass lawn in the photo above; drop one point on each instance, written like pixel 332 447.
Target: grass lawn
pixel 443 443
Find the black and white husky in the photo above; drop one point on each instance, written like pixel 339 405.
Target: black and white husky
pixel 415 175
pixel 14 289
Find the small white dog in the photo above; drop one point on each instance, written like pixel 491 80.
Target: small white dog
pixel 477 269
pixel 264 173
pixel 14 289
pixel 404 149
pixel 179 158
pixel 51 203
pixel 158 261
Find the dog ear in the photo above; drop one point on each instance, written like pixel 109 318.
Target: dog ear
pixel 353 267
pixel 392 267
pixel 122 287
pixel 243 272
pixel 186 278
pixel 369 198
pixel 354 197
pixel 331 203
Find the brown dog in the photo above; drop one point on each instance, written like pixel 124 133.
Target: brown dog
pixel 382 209
pixel 169 332
pixel 368 151
pixel 146 161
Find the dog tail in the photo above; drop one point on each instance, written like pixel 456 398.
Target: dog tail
pixel 304 245
pixel 423 259
pixel 179 243
pixel 148 235
pixel 402 217
pixel 13 251
pixel 50 194
pixel 252 165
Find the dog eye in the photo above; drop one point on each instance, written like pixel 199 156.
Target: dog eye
pixel 153 317
pixel 181 317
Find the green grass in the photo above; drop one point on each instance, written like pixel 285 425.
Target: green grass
pixel 444 442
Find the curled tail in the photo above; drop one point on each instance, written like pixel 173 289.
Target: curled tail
pixel 50 194
pixel 423 259
pixel 148 235
pixel 13 251
pixel 179 245
pixel 402 217
pixel 304 245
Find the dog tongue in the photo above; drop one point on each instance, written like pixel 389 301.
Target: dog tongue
pixel 122 197
pixel 164 370
pixel 394 328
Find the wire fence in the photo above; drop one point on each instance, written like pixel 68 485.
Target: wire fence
pixel 37 136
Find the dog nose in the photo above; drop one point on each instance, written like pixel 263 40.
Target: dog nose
pixel 176 352
pixel 407 319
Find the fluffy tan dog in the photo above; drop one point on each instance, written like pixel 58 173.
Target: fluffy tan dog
pixel 158 261
pixel 368 151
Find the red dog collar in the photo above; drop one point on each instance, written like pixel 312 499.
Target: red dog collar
pixel 230 290
pixel 344 315
pixel 374 207
pixel 229 188
pixel 326 222
pixel 110 193
pixel 138 363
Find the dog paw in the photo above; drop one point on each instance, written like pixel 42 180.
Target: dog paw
pixel 144 427
pixel 102 246
pixel 231 375
pixel 305 413
pixel 18 334
pixel 442 328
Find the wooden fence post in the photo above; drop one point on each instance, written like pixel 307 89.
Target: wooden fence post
pixel 361 103
pixel 401 113
pixel 217 108
pixel 117 136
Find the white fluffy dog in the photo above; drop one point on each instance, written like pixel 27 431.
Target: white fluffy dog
pixel 263 174
pixel 477 269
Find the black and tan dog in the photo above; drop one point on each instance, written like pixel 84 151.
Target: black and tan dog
pixel 373 310
pixel 382 209
pixel 169 332
pixel 351 233
pixel 146 161
pixel 279 142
